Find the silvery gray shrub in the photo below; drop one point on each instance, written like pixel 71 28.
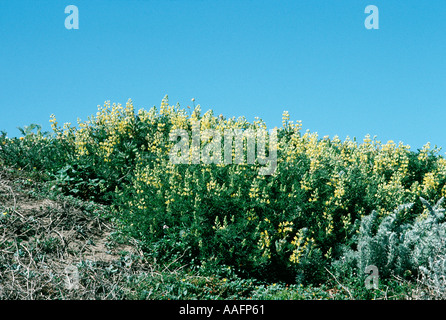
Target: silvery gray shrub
pixel 399 249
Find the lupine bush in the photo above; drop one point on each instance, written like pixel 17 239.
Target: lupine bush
pixel 288 225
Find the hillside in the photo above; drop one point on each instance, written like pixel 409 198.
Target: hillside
pixel 59 248
pixel 174 204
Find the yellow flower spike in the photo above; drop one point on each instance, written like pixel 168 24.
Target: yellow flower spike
pixel 285 118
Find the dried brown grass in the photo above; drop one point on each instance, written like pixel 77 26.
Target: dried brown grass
pixel 55 250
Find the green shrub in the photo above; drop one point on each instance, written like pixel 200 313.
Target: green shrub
pixel 33 151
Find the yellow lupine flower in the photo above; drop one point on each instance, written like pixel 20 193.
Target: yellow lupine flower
pixel 301 243
pixel 264 243
pixel 285 227
pixel 422 156
pixel 430 182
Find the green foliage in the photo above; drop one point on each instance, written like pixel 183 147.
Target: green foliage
pixel 80 180
pixel 34 151
pixel 171 284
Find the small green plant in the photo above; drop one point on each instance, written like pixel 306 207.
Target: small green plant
pixel 79 180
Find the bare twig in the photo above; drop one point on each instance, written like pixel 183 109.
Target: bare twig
pixel 342 286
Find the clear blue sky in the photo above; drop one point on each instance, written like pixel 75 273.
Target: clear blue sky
pixel 239 57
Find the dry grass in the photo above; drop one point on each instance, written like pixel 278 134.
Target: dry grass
pixel 55 250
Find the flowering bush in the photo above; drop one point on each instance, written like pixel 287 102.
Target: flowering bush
pixel 34 151
pixel 283 225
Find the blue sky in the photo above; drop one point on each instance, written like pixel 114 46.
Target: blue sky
pixel 248 58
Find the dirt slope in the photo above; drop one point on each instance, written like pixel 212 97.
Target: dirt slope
pixel 54 249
